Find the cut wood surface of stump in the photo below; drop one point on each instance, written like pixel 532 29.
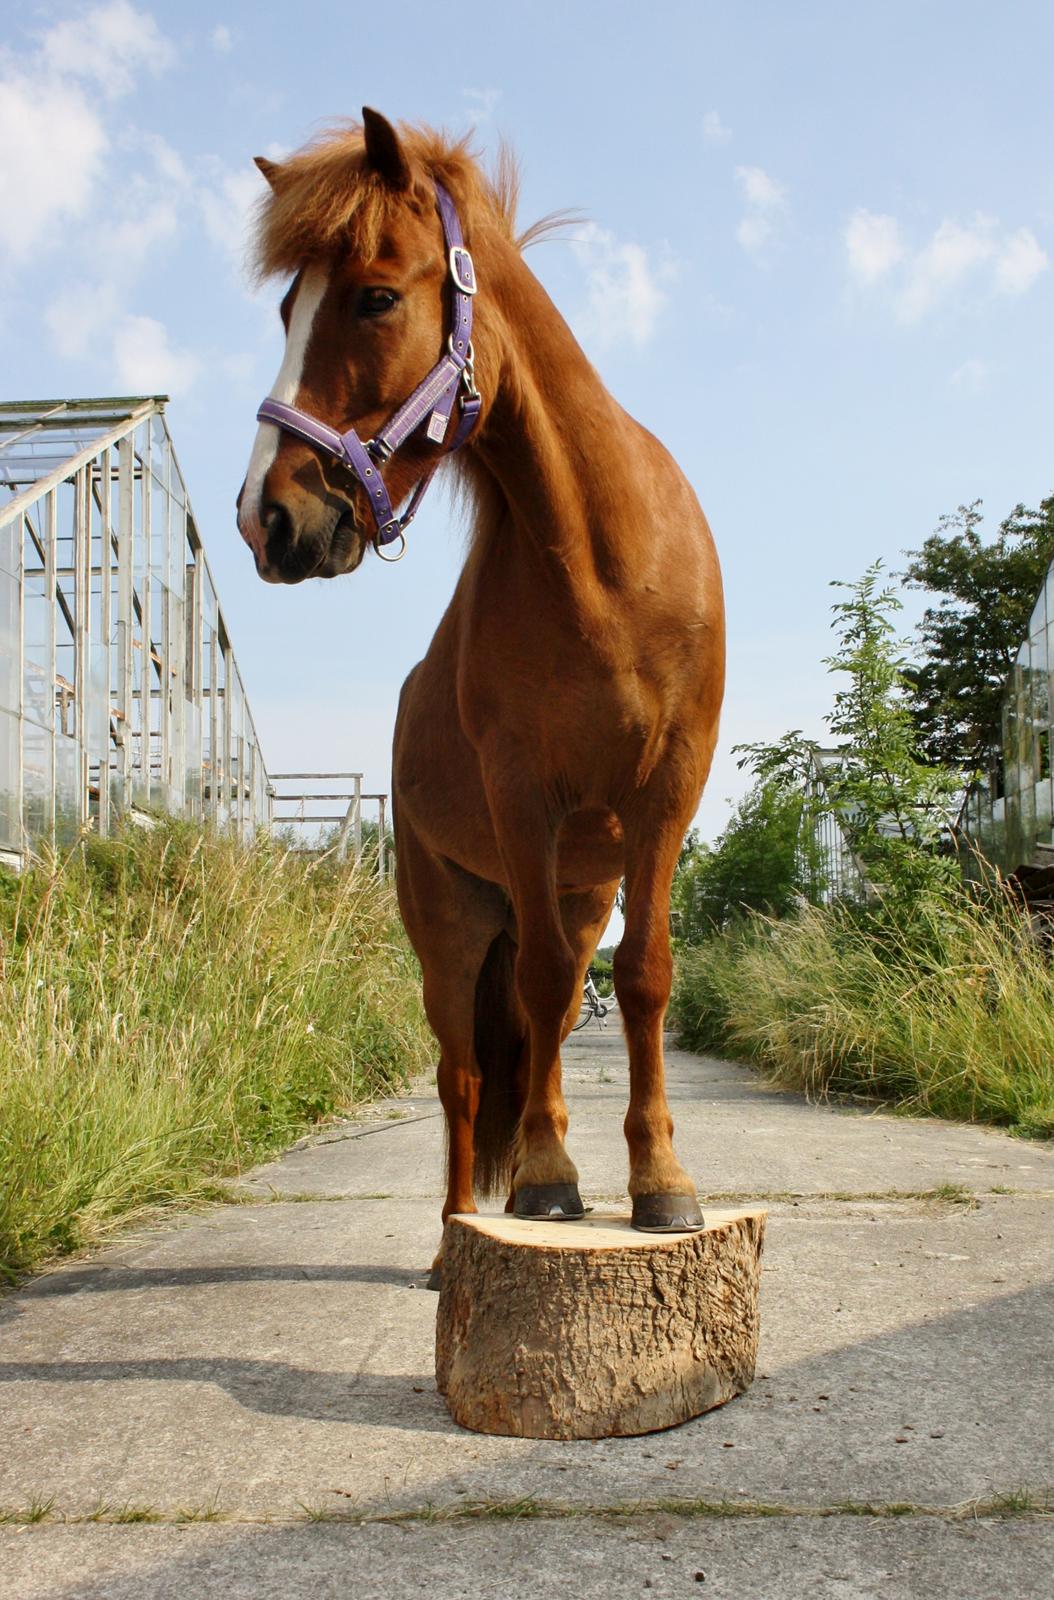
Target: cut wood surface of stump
pixel 586 1330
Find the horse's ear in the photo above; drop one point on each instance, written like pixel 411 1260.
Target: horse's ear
pixel 269 169
pixel 384 153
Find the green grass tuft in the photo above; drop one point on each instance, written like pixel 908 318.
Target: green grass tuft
pixel 38 1509
pixel 174 1008
pixel 951 1015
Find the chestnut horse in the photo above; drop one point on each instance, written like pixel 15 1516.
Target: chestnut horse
pixel 558 733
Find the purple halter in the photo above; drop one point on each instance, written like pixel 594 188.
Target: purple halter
pixel 433 398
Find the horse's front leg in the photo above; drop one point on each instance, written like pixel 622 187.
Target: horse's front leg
pixel 663 1195
pixel 545 1179
pixel 452 919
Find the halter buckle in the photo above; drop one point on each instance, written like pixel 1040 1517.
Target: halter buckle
pixel 379 449
pixel 462 269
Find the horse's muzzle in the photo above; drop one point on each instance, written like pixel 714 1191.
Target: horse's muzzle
pixel 288 554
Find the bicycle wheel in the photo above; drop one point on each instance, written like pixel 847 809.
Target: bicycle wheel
pixel 584 1016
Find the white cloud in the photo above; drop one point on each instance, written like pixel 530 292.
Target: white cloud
pixel 952 253
pixel 53 128
pixel 625 290
pixel 761 190
pixel 874 245
pixel 53 143
pixel 1021 260
pixel 71 153
pixel 971 377
pixel 146 362
pixel 481 103
pixel 956 254
pixel 132 242
pixel 85 311
pixel 221 39
pixel 714 130
pixel 109 45
pixel 766 202
pixel 226 204
pixel 78 314
pixel 168 162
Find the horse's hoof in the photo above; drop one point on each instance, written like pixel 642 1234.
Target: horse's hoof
pixel 666 1213
pixel 435 1277
pixel 549 1202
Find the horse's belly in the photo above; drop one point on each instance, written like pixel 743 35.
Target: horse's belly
pixel 589 848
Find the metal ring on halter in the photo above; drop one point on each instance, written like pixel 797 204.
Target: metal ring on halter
pixel 378 550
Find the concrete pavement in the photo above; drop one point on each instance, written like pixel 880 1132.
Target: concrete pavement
pixel 229 1404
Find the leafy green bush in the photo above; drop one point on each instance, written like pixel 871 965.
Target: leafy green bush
pixel 173 1007
pixel 895 811
pixel 763 861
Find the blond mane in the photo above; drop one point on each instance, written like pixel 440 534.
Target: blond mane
pixel 325 198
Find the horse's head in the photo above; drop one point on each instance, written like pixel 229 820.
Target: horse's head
pixel 366 317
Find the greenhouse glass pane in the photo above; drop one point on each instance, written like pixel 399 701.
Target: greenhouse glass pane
pixel 192 738
pixel 8 641
pixel 38 689
pixel 10 534
pixel 10 830
pixel 37 756
pixel 67 790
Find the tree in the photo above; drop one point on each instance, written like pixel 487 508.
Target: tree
pixel 968 640
pixel 761 862
pixel 894 809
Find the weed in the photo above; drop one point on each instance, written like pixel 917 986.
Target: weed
pixel 38 1510
pixel 175 1007
pixel 950 1014
pixel 1035 1505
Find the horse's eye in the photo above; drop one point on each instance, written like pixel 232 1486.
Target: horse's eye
pixel 375 302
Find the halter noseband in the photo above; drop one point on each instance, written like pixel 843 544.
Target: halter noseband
pixel 433 398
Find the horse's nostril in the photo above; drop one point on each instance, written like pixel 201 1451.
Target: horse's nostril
pixel 278 524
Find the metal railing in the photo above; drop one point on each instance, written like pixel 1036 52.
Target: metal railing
pixel 337 829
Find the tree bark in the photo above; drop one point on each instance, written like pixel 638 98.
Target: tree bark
pixel 585 1330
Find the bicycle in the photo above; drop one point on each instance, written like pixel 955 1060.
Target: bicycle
pixel 592 1007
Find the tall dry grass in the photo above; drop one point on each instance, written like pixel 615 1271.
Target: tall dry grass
pixel 173 1007
pixel 951 1014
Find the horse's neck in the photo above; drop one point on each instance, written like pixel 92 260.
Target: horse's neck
pixel 564 458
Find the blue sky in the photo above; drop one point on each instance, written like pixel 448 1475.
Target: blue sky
pixel 816 263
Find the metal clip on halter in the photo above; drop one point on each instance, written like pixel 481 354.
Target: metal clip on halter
pixel 468 376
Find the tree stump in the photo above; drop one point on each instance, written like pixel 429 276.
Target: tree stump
pixel 585 1330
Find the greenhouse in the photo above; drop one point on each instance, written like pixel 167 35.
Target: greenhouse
pixel 1009 812
pixel 119 690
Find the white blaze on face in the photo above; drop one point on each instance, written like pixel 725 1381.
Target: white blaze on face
pixel 286 388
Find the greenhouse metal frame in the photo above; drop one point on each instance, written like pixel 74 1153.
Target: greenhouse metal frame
pixel 119 690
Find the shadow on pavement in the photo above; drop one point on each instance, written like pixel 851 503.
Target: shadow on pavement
pixel 273 1388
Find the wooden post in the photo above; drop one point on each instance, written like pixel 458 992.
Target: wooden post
pixel 587 1330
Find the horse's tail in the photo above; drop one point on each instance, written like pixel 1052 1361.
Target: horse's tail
pixel 500 1037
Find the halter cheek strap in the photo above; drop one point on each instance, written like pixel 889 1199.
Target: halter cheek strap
pixel 433 399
